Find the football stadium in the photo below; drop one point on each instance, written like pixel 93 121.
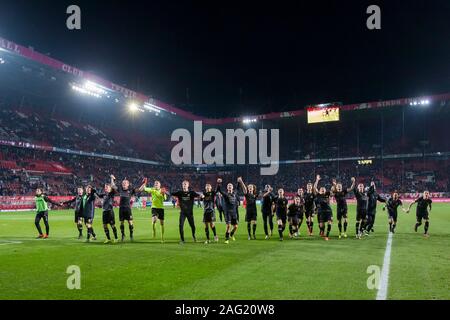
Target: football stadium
pixel 109 193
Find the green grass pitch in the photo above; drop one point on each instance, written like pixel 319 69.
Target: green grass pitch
pixel 308 268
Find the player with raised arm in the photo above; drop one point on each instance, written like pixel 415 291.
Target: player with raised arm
pixel 251 213
pixel 231 200
pixel 324 211
pixel 209 216
pixel 361 208
pixel 158 197
pixel 342 209
pixel 392 205
pixel 186 200
pixel 374 197
pixel 42 202
pixel 422 212
pixel 309 207
pixel 108 216
pixel 77 201
pixel 266 210
pixel 126 192
pixel 281 204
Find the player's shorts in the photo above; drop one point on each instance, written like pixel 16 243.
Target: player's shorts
pixel 108 217
pixel 325 216
pixel 372 212
pixel 309 212
pixel 361 214
pixel 393 215
pixel 209 216
pixel 293 220
pixel 422 215
pixel 77 217
pixel 125 214
pixel 231 218
pixel 342 213
pixel 250 215
pixel 300 216
pixel 42 215
pixel 266 212
pixel 282 217
pixel 158 212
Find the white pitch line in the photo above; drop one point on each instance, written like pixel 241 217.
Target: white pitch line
pixel 384 280
pixel 7 242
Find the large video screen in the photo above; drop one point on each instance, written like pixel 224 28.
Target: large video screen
pixel 323 114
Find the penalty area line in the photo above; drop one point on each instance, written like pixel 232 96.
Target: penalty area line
pixel 384 279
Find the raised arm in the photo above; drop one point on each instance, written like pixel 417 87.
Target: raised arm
pixel 352 187
pixel 316 183
pixel 144 183
pixel 218 187
pixel 242 184
pixel 113 182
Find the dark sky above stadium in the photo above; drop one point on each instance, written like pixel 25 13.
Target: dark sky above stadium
pixel 219 58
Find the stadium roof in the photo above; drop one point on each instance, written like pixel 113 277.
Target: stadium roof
pixel 15 49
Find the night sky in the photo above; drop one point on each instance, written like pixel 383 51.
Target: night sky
pixel 218 58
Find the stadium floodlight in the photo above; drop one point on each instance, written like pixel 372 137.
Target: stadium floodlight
pixel 94 87
pixel 423 102
pixel 151 107
pixel 248 120
pixel 133 107
pixel 2 61
pixel 85 91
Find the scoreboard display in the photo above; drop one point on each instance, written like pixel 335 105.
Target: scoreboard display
pixel 323 114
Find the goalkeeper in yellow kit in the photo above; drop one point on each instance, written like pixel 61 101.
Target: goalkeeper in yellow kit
pixel 158 197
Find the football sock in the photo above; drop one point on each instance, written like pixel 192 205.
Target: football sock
pixel 114 229
pixel 107 233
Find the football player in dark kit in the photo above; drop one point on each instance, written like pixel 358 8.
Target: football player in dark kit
pixel 266 209
pixel 323 208
pixel 309 207
pixel 219 205
pixel 301 213
pixel 281 204
pixel 77 201
pixel 108 212
pixel 251 214
pixel 209 216
pixel 186 200
pixel 42 201
pixel 362 200
pixel 342 210
pixel 422 212
pixel 231 200
pixel 126 193
pixel 89 211
pixel 295 215
pixel 374 197
pixel 392 205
